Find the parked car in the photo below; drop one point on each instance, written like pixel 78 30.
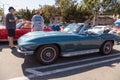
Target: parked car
pixel 116 29
pixel 46 28
pixel 21 29
pixel 72 41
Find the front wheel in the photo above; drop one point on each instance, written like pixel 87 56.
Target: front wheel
pixel 106 48
pixel 47 54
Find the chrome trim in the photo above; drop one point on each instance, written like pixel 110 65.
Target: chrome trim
pixel 75 53
pixel 7 39
pixel 25 52
pixel 3 39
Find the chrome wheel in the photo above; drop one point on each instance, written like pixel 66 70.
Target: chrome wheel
pixel 107 47
pixel 47 54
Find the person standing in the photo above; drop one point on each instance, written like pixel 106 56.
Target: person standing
pixel 11 26
pixel 37 21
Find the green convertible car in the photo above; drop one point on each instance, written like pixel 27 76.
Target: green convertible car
pixel 75 39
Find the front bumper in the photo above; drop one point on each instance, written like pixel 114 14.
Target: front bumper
pixel 24 51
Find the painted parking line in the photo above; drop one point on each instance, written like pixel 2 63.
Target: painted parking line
pixel 75 67
pixel 20 78
pixel 71 62
pixel 36 73
pixel 64 69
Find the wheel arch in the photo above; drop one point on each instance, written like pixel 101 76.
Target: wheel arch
pixel 108 40
pixel 102 47
pixel 57 45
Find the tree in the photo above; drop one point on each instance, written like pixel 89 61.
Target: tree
pixel 67 12
pixel 101 7
pixel 73 11
pixel 49 12
pixel 57 3
pixel 83 13
pixel 1 12
pixel 117 9
pixel 25 14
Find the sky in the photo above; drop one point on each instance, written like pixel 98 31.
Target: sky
pixel 30 4
pixel 22 4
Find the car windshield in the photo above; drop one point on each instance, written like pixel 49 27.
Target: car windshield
pixel 18 25
pixel 72 28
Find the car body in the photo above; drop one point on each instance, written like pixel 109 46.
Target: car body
pixel 21 29
pixel 74 40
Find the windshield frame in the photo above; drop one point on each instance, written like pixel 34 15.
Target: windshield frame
pixel 73 28
pixel 18 25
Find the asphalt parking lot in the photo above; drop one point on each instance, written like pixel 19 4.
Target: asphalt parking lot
pixel 15 66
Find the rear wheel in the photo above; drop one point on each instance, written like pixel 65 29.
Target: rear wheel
pixel 47 54
pixel 106 48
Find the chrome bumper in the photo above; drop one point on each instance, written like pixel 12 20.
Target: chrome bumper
pixel 25 52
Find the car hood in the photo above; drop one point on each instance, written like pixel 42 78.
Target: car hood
pixel 45 35
pixel 42 37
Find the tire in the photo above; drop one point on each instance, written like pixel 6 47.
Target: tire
pixel 47 54
pixel 106 48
